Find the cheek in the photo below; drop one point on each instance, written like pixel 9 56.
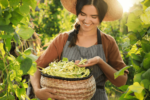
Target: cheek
pixel 96 22
pixel 81 18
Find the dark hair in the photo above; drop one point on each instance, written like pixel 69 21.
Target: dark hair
pixel 101 7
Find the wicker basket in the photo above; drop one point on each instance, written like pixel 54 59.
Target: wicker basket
pixel 82 89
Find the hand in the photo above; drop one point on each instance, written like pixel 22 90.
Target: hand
pixel 45 93
pixel 90 62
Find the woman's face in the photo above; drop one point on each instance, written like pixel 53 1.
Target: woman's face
pixel 88 18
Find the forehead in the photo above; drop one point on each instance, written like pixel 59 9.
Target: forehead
pixel 89 9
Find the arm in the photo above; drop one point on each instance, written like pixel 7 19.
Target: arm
pixel 107 70
pixel 51 53
pixel 35 80
pixel 43 93
pixel 109 73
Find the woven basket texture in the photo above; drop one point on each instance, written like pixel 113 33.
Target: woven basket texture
pixel 72 90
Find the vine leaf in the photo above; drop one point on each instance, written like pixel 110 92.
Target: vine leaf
pixel 16 38
pixel 121 72
pixel 146 4
pixel 28 51
pixel 4 3
pixel 25 9
pixel 8 43
pixel 146 61
pixel 4 21
pixel 134 23
pixel 136 57
pixel 0 11
pixel 17 16
pixel 26 65
pixel 14 2
pixel 33 69
pixel 31 3
pixel 25 32
pixel 7 28
pixel 133 38
pixel 146 74
pixel 2 49
pixel 136 87
pixel 10 97
pixel 1 65
pixel 140 96
pixel 124 87
pixel 137 77
pixel 146 16
pixel 136 65
pixel 145 46
pixel 148 32
pixel 129 97
pixel 145 83
pixel 20 92
pixel 5 36
pixel 32 57
pixel 13 75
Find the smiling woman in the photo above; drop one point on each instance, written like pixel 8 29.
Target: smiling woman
pixel 88 42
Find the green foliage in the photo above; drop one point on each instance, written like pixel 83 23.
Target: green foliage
pixel 51 20
pixel 48 18
pixel 121 72
pixel 138 24
pixel 14 28
pixel 25 32
pixel 145 17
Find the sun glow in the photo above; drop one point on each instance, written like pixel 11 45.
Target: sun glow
pixel 126 4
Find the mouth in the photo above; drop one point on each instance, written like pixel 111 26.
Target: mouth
pixel 87 24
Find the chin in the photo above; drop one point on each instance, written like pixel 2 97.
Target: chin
pixel 87 29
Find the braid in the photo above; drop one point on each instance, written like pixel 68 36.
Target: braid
pixel 74 38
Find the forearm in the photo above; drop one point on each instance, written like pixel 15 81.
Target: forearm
pixel 109 73
pixel 35 80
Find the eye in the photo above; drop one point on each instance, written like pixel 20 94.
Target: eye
pixel 94 17
pixel 82 14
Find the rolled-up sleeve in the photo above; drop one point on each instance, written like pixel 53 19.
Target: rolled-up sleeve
pixel 53 51
pixel 114 56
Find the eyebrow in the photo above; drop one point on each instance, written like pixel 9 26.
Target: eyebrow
pixel 85 14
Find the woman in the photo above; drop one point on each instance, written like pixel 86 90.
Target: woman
pixel 86 41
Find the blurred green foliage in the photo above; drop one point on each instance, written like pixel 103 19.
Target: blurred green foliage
pixel 51 20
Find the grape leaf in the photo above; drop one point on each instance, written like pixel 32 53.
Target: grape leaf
pixel 121 72
pixel 26 65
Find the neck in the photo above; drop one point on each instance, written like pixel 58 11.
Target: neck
pixel 88 33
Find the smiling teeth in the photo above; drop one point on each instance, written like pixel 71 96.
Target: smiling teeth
pixel 87 24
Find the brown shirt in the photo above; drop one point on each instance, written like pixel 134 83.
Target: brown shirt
pixel 54 51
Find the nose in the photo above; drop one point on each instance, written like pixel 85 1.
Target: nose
pixel 86 20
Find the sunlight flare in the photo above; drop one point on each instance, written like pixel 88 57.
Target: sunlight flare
pixel 126 4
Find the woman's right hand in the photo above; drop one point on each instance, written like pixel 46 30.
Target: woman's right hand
pixel 45 93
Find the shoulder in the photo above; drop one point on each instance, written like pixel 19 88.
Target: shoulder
pixel 106 38
pixel 64 35
pixel 62 38
pixel 108 43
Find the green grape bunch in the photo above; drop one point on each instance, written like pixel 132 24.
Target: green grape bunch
pixel 66 69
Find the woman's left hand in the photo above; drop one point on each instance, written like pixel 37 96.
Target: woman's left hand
pixel 90 62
